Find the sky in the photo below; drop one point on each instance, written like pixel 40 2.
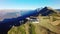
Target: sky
pixel 29 4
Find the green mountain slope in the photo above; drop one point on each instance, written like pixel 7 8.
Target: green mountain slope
pixel 47 25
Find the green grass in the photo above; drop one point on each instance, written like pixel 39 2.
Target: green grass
pixel 22 29
pixel 32 29
pixel 17 30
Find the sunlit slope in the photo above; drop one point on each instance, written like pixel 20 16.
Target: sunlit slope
pixel 47 25
pixel 43 27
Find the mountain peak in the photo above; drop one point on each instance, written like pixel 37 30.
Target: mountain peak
pixel 47 7
pixel 46 11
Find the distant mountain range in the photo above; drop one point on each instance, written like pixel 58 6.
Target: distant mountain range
pixel 15 13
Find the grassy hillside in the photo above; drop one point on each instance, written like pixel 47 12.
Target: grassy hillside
pixel 46 25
